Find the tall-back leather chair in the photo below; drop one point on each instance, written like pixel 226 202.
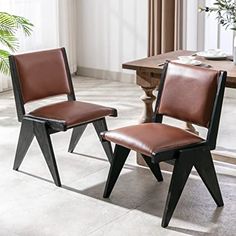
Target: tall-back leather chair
pixel 43 74
pixel 191 94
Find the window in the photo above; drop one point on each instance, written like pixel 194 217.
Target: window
pixel 201 31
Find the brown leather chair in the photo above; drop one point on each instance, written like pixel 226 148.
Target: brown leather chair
pixel 187 93
pixel 44 74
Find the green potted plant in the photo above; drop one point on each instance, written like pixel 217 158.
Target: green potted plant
pixel 9 25
pixel 225 11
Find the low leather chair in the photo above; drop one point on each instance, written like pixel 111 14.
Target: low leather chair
pixel 40 75
pixel 191 94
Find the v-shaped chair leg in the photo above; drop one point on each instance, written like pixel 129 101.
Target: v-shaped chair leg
pixel 205 168
pixel 100 126
pixel 155 168
pixel 25 139
pixel 43 138
pixel 182 168
pixel 75 137
pixel 120 156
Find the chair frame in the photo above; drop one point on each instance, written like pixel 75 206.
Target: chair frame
pixel 183 159
pixel 42 128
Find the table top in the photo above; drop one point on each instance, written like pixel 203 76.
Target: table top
pixel 150 64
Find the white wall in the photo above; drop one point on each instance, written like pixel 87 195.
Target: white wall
pixel 111 32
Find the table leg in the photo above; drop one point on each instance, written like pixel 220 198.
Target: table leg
pixel 148 99
pixel 148 85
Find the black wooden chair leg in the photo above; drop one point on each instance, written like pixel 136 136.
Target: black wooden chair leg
pixel 205 168
pixel 120 156
pixel 75 137
pixel 43 138
pixel 100 126
pixel 182 168
pixel 155 168
pixel 25 139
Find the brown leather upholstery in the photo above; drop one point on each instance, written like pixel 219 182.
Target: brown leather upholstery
pixel 151 138
pixel 188 93
pixel 73 112
pixel 42 74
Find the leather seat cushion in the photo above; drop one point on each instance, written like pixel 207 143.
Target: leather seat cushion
pixel 73 112
pixel 151 138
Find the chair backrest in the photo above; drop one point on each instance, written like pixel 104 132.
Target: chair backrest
pixel 192 94
pixel 39 75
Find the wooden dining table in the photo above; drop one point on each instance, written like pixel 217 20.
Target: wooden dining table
pixel 149 69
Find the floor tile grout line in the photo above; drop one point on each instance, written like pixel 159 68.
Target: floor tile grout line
pixel 131 210
pixel 111 221
pixel 78 180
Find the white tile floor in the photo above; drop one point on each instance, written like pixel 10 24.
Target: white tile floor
pixel 31 205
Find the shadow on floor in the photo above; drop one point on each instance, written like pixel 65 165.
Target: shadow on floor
pixel 140 191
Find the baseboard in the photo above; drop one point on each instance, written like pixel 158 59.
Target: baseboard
pixel 230 93
pixel 125 77
pixel 224 157
pixel 104 74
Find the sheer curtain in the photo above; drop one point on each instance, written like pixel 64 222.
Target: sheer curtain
pixel 54 26
pixel 67 21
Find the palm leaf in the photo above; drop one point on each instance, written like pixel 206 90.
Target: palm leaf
pixel 6 23
pixel 9 40
pixel 12 23
pixel 9 25
pixel 24 24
